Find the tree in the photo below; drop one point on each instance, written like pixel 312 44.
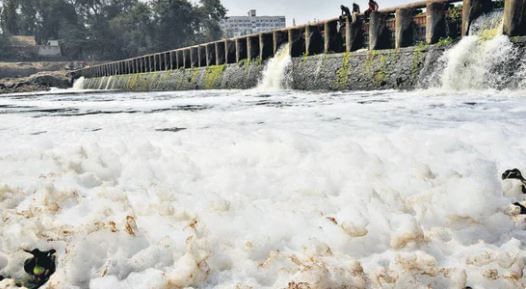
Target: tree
pixel 211 13
pixel 134 30
pixel 9 18
pixel 175 23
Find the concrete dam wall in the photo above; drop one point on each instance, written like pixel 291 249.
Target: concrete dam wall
pixel 399 47
pixel 382 69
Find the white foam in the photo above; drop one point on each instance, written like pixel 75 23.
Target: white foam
pixel 402 192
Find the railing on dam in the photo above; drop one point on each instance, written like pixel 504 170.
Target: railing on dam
pixel 396 27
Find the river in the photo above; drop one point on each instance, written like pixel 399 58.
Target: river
pixel 265 188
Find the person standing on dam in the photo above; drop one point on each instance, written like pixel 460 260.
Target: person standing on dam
pixel 373 6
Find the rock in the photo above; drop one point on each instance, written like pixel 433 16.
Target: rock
pixel 41 81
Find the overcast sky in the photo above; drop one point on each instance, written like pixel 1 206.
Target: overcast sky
pixel 302 10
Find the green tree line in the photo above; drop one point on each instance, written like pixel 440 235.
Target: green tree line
pixel 112 29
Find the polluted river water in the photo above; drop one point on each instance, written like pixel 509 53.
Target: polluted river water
pixel 270 187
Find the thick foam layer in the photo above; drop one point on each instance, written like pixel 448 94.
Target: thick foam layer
pixel 238 189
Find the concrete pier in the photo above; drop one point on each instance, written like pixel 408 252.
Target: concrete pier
pixel 173 56
pixel 279 37
pixel 180 58
pixel 472 9
pixel 266 45
pixel 514 23
pixel 194 56
pixel 187 58
pixel 354 39
pixel 166 61
pixel 210 54
pixel 241 49
pixel 230 53
pixel 201 55
pixel 405 28
pixel 253 47
pixel 297 41
pixel 220 53
pixel 436 25
pixel 333 42
pixel 313 40
pixel 379 35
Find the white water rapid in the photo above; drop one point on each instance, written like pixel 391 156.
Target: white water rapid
pixel 277 72
pixel 78 84
pixel 476 62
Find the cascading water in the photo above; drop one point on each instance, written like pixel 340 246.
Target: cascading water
pixel 79 83
pixel 478 60
pixel 277 72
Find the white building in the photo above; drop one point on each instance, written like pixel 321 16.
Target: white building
pixel 235 26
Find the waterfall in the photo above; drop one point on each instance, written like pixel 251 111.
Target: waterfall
pixel 109 83
pixel 78 84
pixel 478 60
pixel 277 72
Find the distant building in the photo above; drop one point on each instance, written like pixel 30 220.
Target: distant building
pixel 27 48
pixel 51 49
pixel 235 26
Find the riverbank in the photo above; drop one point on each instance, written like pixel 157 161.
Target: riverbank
pixel 42 81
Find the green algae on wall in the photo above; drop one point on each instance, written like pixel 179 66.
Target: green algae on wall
pixel 212 75
pixel 342 73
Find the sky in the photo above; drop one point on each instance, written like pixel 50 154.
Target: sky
pixel 302 10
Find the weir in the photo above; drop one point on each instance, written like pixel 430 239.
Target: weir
pixel 401 28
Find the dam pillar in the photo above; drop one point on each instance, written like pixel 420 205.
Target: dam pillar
pixel 194 56
pixel 210 54
pixel 379 34
pixel 331 37
pixel 472 9
pixel 180 58
pixel 253 47
pixel 279 38
pixel 166 62
pixel 514 23
pixel 436 24
pixel 241 49
pixel 313 40
pixel 159 59
pixel 297 41
pixel 175 61
pixel 220 52
pixel 354 39
pixel 187 58
pixel 202 55
pixel 230 51
pixel 404 28
pixel 266 45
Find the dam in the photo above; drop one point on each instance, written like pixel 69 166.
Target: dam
pixel 393 48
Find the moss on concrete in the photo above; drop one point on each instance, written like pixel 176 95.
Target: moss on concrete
pixel 342 75
pixel 212 75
